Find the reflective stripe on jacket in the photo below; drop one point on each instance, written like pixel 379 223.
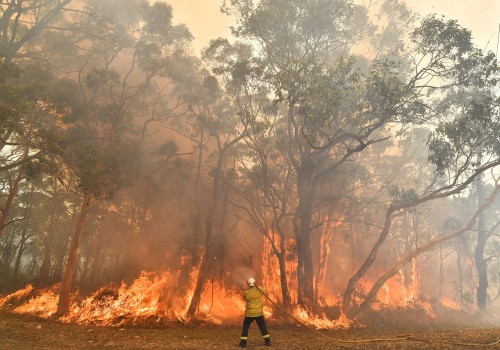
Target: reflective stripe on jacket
pixel 253 297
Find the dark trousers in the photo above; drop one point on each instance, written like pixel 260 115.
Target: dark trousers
pixel 260 322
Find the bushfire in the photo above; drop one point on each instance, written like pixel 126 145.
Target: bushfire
pixel 153 298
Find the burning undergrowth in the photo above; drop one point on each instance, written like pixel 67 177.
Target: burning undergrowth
pixel 152 300
pixel 159 300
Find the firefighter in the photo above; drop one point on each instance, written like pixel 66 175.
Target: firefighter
pixel 254 311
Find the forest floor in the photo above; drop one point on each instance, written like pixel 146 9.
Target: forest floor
pixel 21 332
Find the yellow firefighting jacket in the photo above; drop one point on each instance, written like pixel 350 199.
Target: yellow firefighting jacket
pixel 253 297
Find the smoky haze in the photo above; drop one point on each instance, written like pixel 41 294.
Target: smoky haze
pixel 482 17
pixel 350 183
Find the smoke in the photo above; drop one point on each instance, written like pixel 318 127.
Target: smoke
pixel 241 274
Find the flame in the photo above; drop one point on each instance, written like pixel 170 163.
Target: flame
pixel 450 303
pixel 219 304
pixel 150 295
pixel 271 270
pixel 322 322
pixel 158 297
pixel 21 293
pixel 44 305
pixel 272 283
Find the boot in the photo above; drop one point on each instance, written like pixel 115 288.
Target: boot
pixel 267 341
pixel 243 343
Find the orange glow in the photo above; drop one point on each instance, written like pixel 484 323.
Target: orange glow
pixel 21 293
pixel 150 297
pixel 44 305
pixel 322 322
pixel 450 303
pixel 271 271
pixel 219 304
pixel 155 297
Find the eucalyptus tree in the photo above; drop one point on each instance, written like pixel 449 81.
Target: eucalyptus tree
pixel 226 128
pixel 476 125
pixel 264 188
pixel 34 140
pixel 129 57
pixel 21 25
pixel 27 140
pixel 449 68
pixel 337 102
pixel 21 21
pixel 334 103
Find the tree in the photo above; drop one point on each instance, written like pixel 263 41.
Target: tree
pixel 335 102
pixel 226 130
pixel 450 54
pixel 21 25
pixel 122 60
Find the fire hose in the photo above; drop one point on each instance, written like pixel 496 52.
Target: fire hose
pixel 372 340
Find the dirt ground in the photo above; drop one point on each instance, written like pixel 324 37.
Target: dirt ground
pixel 19 332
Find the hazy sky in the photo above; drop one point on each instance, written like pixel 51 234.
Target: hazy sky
pixel 481 16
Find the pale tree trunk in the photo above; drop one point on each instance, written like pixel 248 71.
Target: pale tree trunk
pixel 208 254
pixel 280 255
pixel 460 284
pixel 43 275
pixel 302 230
pixel 24 235
pixel 481 266
pixel 5 210
pixel 351 285
pixel 325 237
pixel 192 244
pixel 65 294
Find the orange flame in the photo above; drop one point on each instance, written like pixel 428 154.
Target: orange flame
pixel 21 293
pixel 322 322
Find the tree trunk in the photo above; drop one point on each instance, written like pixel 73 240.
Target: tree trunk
pixel 20 252
pixel 43 275
pixel 481 266
pixel 207 258
pixel 192 243
pixel 96 262
pixel 285 293
pixel 280 255
pixel 5 211
pixel 24 235
pixel 8 252
pixel 325 237
pixel 64 296
pixel 302 229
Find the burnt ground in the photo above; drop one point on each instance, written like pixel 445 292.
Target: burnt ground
pixel 21 332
